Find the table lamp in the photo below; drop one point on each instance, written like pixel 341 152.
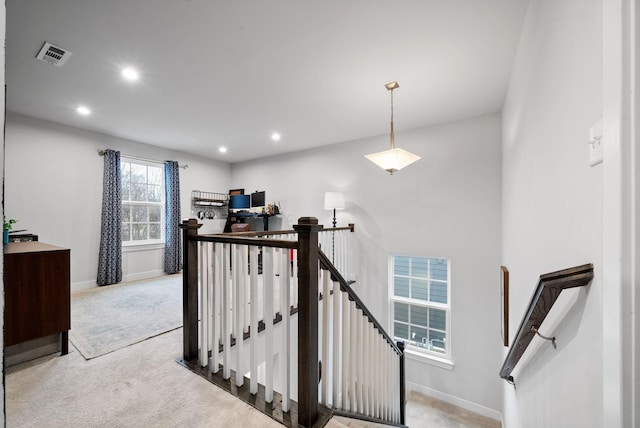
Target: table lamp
pixel 333 201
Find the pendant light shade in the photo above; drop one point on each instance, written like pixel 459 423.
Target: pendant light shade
pixel 394 159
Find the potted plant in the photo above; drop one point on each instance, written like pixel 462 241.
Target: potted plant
pixel 7 227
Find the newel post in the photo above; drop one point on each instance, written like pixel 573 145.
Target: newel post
pixel 190 288
pixel 308 366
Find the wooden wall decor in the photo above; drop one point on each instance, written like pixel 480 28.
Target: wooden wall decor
pixel 504 304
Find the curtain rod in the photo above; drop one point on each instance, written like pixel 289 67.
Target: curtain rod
pixel 101 152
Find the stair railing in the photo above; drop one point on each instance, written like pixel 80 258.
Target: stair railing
pixel 240 292
pixel 363 369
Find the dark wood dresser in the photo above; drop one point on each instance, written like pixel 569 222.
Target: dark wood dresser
pixel 37 293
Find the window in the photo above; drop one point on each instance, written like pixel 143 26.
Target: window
pixel 142 202
pixel 420 303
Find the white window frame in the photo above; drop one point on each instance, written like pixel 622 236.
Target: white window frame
pixel 440 358
pixel 133 245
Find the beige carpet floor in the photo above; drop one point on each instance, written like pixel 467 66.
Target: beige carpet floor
pixel 113 317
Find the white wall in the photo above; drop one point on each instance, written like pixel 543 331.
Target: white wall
pixel 552 210
pixel 53 186
pixel 446 205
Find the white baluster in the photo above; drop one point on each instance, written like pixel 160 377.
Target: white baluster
pixel 361 357
pixel 375 386
pixel 203 302
pixel 239 275
pixel 325 337
pixel 267 277
pixel 380 342
pixel 391 393
pixel 208 248
pixel 366 372
pixel 340 251
pixel 346 351
pixel 253 284
pixel 396 388
pixel 247 293
pixel 295 278
pixel 336 360
pixel 353 318
pixel 285 352
pixel 214 365
pixel 226 314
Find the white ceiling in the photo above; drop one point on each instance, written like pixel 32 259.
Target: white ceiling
pixel 229 73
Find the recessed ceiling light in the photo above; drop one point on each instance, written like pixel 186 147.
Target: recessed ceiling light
pixel 130 74
pixel 222 150
pixel 82 110
pixel 275 136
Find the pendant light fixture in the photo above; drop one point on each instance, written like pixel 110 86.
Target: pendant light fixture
pixel 394 159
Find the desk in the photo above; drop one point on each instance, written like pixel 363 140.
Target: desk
pixel 37 292
pixel 241 217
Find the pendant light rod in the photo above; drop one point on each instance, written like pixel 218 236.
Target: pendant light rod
pixel 390 87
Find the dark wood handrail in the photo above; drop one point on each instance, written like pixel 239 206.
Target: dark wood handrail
pixel 235 238
pixel 260 233
pixel 549 288
pixel 326 264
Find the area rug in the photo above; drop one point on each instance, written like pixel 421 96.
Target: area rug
pixel 113 317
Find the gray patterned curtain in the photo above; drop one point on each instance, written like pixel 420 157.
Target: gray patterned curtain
pixel 110 256
pixel 172 250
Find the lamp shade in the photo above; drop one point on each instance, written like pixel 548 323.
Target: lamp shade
pixel 393 159
pixel 333 201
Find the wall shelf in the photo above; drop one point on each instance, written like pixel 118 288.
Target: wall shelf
pixel 549 288
pixel 209 205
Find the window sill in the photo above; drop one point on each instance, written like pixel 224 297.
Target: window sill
pixel 142 247
pixel 442 362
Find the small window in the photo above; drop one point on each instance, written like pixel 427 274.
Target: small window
pixel 142 202
pixel 420 290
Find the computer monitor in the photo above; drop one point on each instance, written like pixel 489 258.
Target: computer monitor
pixel 258 199
pixel 239 202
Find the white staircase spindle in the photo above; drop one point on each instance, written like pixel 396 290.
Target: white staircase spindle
pixel 225 314
pixel 267 277
pixel 253 309
pixel 361 372
pixel 387 386
pixel 203 303
pixel 395 389
pixel 325 337
pixel 239 276
pixel 379 350
pixel 346 351
pixel 336 361
pixel 366 366
pixel 210 292
pixel 285 352
pixel 214 364
pixel 353 318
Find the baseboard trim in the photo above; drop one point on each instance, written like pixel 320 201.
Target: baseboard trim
pixel 457 401
pixel 143 275
pixel 86 285
pixel 83 285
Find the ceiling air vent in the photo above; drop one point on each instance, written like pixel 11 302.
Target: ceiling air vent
pixel 54 55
